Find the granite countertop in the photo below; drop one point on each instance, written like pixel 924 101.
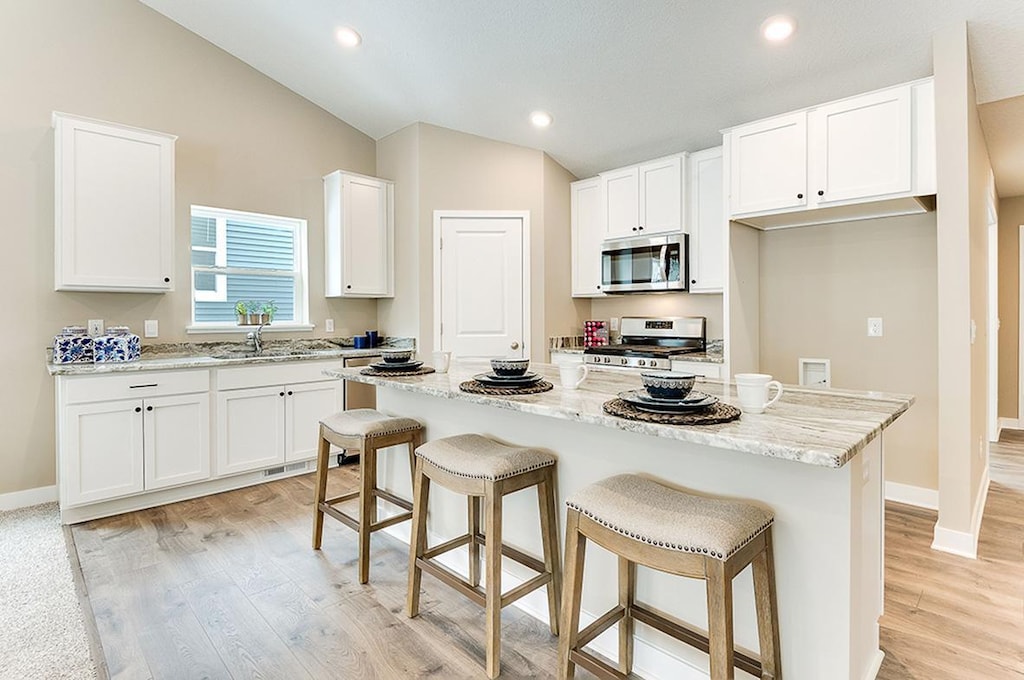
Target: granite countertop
pixel 713 355
pixel 818 427
pixel 171 356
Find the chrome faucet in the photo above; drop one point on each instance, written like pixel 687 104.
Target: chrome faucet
pixel 256 338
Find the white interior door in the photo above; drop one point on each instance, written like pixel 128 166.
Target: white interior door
pixel 481 285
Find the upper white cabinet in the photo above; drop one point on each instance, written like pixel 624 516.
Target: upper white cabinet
pixel 588 229
pixel 114 207
pixel 707 221
pixel 358 235
pixel 861 157
pixel 644 199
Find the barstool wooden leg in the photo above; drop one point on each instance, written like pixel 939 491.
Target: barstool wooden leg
pixel 367 507
pixel 627 596
pixel 492 500
pixel 767 610
pixel 418 539
pixel 473 526
pixel 719 593
pixel 575 555
pixel 323 453
pixel 549 540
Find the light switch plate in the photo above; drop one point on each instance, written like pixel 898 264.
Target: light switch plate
pixel 95 327
pixel 152 328
pixel 615 323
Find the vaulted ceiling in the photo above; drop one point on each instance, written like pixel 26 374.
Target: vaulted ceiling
pixel 624 80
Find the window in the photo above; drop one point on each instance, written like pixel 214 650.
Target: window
pixel 248 257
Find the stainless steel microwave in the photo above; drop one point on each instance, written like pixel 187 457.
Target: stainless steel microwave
pixel 645 264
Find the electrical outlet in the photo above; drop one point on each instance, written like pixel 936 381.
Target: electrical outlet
pixel 329 325
pixel 152 328
pixel 874 327
pixel 615 323
pixel 95 327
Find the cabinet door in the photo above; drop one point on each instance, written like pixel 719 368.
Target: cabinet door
pixel 768 165
pixel 661 196
pixel 861 148
pixel 621 202
pixel 101 451
pixel 700 368
pixel 587 236
pixel 366 238
pixel 707 222
pixel 114 207
pixel 177 439
pixel 305 406
pixel 250 429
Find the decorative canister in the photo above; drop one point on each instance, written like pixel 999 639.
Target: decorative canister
pixel 595 333
pixel 118 344
pixel 72 346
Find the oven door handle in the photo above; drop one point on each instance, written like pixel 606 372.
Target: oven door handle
pixel 664 263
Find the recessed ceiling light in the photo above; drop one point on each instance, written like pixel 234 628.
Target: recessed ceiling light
pixel 348 37
pixel 541 119
pixel 778 28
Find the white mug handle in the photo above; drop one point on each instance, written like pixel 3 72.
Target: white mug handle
pixel 584 376
pixel 778 395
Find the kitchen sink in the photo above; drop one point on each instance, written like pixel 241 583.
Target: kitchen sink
pixel 267 353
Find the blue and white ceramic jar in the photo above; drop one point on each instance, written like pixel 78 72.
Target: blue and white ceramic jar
pixel 118 344
pixel 72 346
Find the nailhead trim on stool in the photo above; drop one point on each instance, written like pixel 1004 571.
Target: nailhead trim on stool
pixel 476 457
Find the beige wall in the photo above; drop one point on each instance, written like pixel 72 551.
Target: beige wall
pixel 1011 217
pixel 820 284
pixel 563 314
pixel 663 304
pixel 963 172
pixel 244 142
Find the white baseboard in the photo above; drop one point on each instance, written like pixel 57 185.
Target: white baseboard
pixel 1010 424
pixel 876 665
pixel 964 543
pixel 28 497
pixel 912 495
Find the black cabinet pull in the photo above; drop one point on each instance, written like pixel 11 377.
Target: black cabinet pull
pixel 135 387
pixel 640 228
pixel 149 408
pixel 138 409
pixel 634 228
pixel 693 282
pixel 799 195
pixel 821 192
pixel 167 279
pixel 348 286
pixel 599 286
pixel 290 393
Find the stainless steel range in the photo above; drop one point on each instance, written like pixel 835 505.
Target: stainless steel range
pixel 651 342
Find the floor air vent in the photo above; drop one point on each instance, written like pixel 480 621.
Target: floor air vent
pixel 294 467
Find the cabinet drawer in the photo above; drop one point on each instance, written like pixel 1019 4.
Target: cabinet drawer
pixel 135 385
pixel 274 374
pixel 698 368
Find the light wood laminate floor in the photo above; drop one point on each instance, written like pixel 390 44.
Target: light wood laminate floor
pixel 228 587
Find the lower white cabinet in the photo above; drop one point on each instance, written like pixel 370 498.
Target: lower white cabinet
pixel 260 427
pixel 701 368
pixel 110 448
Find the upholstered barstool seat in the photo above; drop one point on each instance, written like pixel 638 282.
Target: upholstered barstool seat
pixel 649 524
pixel 481 468
pixel 364 430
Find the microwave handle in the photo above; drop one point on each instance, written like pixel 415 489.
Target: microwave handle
pixel 664 263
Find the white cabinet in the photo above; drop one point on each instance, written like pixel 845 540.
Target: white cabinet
pixel 701 368
pixel 644 199
pixel 270 415
pixel 113 208
pixel 125 434
pixel 588 229
pixel 865 156
pixel 358 236
pixel 707 221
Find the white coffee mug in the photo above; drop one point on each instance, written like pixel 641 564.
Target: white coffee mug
pixel 572 375
pixel 752 390
pixel 441 361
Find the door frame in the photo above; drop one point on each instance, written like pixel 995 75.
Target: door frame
pixel 524 215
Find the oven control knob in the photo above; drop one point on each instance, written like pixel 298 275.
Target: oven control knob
pixel 641 363
pixel 623 361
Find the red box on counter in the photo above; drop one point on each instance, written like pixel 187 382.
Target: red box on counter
pixel 595 333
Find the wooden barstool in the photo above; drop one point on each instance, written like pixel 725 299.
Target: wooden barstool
pixel 646 523
pixel 364 430
pixel 479 467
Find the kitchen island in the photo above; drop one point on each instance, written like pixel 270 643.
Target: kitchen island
pixel 815 459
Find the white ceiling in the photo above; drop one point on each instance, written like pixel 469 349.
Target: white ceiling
pixel 625 80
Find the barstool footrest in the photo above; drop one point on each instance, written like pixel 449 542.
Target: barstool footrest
pixel 596 666
pixel 517 555
pixel 442 548
pixel 450 578
pixel 393 499
pixel 526 588
pixel 351 495
pixel 610 618
pixel 691 636
pixel 353 522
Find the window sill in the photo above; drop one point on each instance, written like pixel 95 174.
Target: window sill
pixel 235 328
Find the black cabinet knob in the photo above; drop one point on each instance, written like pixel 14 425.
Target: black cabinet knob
pixel 799 195
pixel 138 409
pixel 349 286
pixel 821 192
pixel 167 279
pixel 599 286
pixel 290 393
pixel 634 228
pixel 693 282
pixel 281 394
pixel 640 228
pixel 149 408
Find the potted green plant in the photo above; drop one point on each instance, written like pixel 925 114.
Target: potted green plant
pixel 241 310
pixel 252 308
pixel 267 311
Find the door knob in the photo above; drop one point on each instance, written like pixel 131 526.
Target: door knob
pixel 515 345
